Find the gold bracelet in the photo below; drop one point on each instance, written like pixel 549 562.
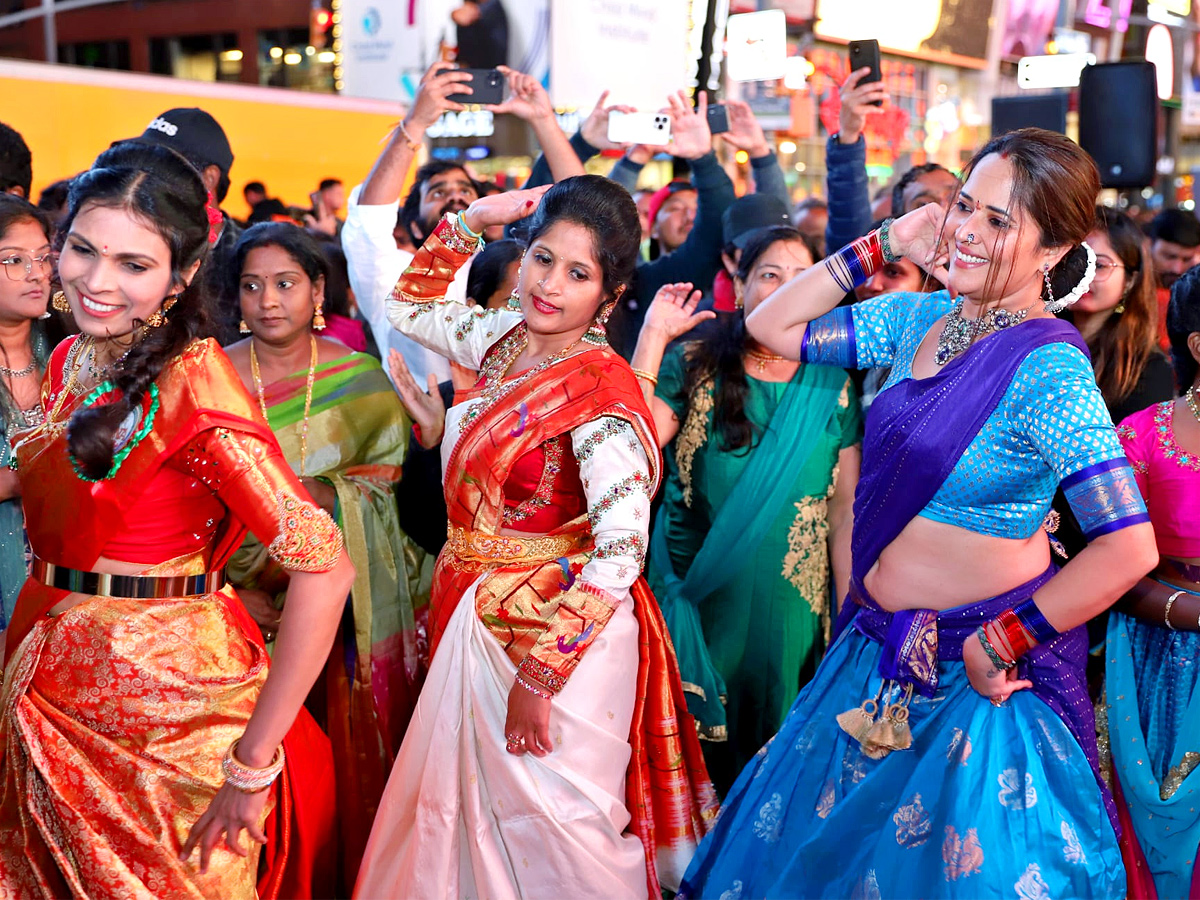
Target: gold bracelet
pixel 414 146
pixel 648 376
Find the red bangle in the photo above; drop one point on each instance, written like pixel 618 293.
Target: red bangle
pixel 1019 640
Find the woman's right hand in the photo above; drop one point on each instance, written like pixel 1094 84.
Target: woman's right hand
pixel 672 313
pixel 988 681
pixel 919 235
pixel 425 407
pixel 502 209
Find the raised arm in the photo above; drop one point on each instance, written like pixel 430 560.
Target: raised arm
pixel 780 322
pixel 528 101
pixel 746 134
pixel 846 181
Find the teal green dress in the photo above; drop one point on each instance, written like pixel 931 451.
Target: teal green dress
pixel 765 628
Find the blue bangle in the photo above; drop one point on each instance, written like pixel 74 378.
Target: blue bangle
pixel 466 229
pixel 1034 622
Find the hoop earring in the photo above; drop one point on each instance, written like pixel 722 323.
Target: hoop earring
pixel 318 319
pixel 59 302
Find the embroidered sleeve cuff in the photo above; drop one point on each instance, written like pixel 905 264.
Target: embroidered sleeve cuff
pixel 308 539
pixel 582 614
pixel 1105 498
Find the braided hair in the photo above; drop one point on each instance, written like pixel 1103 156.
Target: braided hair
pixel 160 188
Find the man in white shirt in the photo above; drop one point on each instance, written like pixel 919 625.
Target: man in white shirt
pixel 374 260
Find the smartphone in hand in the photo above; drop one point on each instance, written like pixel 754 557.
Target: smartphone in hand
pixel 487 88
pixel 653 129
pixel 865 55
pixel 718 118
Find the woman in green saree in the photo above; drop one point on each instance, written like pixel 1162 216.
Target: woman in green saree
pixel 754 531
pixel 344 432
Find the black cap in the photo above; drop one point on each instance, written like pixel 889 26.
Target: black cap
pixel 194 134
pixel 745 215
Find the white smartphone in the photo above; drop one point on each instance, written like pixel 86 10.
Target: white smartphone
pixel 639 128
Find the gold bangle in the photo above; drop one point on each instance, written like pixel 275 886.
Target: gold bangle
pixel 648 376
pixel 414 146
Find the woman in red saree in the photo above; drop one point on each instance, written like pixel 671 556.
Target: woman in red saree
pixel 138 721
pixel 550 753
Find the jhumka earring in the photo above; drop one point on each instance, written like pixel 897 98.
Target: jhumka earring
pixel 597 334
pixel 514 299
pixel 159 317
pixel 243 328
pixel 318 321
pixel 59 302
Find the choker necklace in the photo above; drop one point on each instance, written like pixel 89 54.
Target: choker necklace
pixel 1189 398
pixel 959 333
pixel 763 358
pixel 19 373
pixel 308 392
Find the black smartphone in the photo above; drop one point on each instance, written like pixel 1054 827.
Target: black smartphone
pixel 718 118
pixel 865 55
pixel 487 87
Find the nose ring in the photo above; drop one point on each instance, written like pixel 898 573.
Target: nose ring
pixel 971 238
pixel 542 283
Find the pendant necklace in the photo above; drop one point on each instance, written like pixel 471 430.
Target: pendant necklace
pixel 308 392
pixel 762 359
pixel 959 333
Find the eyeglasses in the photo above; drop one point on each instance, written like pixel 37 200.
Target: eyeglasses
pixel 1104 270
pixel 17 266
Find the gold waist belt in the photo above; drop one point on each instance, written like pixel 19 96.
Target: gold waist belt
pixel 506 550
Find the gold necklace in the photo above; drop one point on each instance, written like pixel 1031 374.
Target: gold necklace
pixel 308 392
pixel 763 358
pixel 1190 398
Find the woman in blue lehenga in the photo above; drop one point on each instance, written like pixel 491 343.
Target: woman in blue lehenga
pixel 894 776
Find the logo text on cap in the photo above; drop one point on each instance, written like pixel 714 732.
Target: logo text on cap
pixel 161 124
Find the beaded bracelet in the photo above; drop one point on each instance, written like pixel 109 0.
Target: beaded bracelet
pixel 456 236
pixel 999 662
pixel 545 695
pixel 856 262
pixel 1034 621
pixel 246 779
pixel 1167 612
pixel 885 242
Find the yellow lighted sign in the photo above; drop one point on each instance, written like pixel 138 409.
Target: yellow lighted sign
pixel 1181 8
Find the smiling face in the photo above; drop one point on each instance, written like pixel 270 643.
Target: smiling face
pixel 23 295
pixel 778 264
pixel 277 298
pixel 995 246
pixel 115 270
pixel 561 282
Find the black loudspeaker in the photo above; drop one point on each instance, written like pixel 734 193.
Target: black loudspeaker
pixel 1047 111
pixel 1118 121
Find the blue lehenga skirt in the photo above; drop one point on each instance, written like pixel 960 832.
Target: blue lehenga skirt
pixel 988 802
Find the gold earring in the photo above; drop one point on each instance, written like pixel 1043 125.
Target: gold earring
pixel 243 328
pixel 318 322
pixel 159 317
pixel 59 302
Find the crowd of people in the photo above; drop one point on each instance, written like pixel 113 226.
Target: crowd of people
pixel 440 540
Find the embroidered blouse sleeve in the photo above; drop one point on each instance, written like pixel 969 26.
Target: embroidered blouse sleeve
pixel 419 310
pixel 616 476
pixel 860 336
pixel 1063 415
pixel 1135 432
pixel 251 477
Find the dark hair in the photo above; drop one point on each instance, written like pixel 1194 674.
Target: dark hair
pixel 293 240
pixel 1183 320
pixel 337 275
pixel 254 186
pixel 489 266
pixel 54 196
pixel 14 210
pixel 1056 183
pixel 161 188
pixel 16 162
pixel 327 183
pixel 1177 226
pixel 908 178
pixel 1126 341
pixel 410 210
pixel 719 354
pixel 605 209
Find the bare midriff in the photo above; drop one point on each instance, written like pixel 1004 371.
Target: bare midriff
pixel 934 565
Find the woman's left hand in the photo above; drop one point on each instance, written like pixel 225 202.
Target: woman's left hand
pixel 230 811
pixel 987 680
pixel 528 722
pixel 504 208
